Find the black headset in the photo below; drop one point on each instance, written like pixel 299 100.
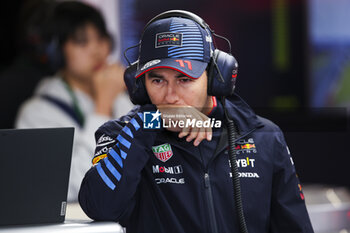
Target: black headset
pixel 222 68
pixel 48 46
pixel 39 32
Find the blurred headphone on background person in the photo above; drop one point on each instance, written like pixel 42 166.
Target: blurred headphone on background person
pixel 36 33
pixel 58 21
pixel 221 67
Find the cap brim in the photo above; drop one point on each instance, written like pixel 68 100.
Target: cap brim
pixel 191 68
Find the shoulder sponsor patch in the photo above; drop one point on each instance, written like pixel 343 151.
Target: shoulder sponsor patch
pixel 163 152
pixel 168 39
pixel 103 150
pixel 104 140
pixel 97 159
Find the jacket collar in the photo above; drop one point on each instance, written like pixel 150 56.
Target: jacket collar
pixel 240 112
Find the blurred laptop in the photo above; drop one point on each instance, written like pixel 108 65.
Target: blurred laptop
pixel 34 175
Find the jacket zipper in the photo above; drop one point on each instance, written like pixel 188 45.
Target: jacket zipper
pixel 209 194
pixel 210 203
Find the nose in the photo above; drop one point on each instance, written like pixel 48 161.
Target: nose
pixel 171 96
pixel 99 49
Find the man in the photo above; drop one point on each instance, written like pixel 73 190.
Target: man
pixel 177 178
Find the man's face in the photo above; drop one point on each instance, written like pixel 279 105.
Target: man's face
pixel 170 87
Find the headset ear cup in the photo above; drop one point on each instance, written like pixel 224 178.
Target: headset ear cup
pixel 136 87
pixel 54 55
pixel 222 76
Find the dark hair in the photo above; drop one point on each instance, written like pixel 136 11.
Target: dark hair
pixel 69 16
pixel 66 19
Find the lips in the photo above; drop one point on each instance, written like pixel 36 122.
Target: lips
pixel 98 66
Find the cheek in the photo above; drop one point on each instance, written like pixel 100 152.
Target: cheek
pixel 77 60
pixel 196 96
pixel 157 97
pixel 152 93
pixel 105 49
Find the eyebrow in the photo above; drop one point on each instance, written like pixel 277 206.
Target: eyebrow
pixel 154 74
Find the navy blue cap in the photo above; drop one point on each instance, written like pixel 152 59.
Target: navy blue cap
pixel 176 43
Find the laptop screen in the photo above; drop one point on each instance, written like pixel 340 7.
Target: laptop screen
pixel 34 175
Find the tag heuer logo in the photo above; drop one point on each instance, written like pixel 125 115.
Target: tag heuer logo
pixel 163 152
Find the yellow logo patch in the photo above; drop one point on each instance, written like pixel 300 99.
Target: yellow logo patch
pixel 98 158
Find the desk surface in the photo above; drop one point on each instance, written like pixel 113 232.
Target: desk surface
pixel 76 222
pixel 74 212
pixel 325 217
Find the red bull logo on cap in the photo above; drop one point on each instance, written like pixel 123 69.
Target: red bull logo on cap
pixel 168 39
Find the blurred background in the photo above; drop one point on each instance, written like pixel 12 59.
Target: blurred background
pixel 294 68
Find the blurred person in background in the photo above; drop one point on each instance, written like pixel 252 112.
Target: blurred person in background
pixel 83 92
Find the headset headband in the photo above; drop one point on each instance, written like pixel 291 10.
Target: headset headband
pixel 179 13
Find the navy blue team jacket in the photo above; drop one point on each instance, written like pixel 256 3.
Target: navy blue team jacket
pixel 153 181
